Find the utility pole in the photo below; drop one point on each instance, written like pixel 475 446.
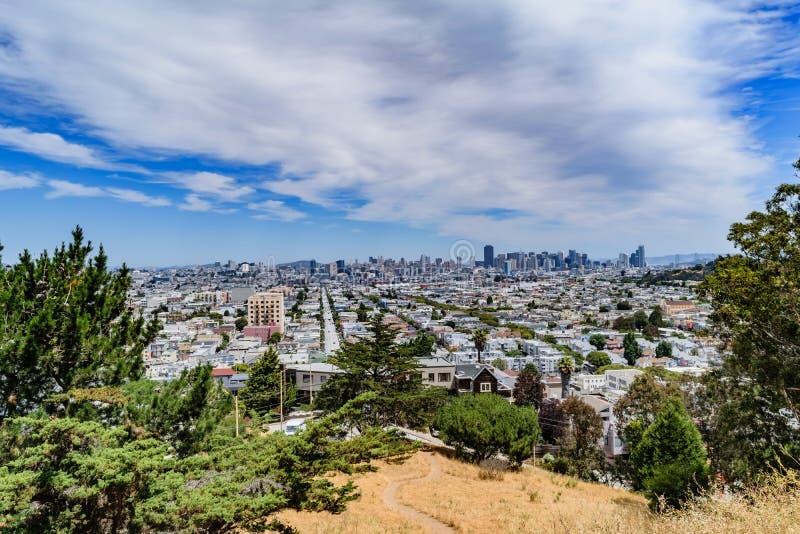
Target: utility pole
pixel 281 380
pixel 311 380
pixel 236 411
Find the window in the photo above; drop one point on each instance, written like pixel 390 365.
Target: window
pixel 323 379
pixel 430 377
pixel 306 379
pixel 444 377
pixel 486 387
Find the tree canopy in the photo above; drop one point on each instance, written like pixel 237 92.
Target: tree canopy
pixel 262 394
pixel 484 424
pixel 752 411
pixel 378 364
pixel 529 389
pixel 66 323
pixel 669 458
pixel 598 341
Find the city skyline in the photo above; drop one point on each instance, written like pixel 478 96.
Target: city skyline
pixel 266 129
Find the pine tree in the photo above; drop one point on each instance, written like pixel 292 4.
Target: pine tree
pixel 487 424
pixel 262 392
pixel 379 365
pixel 632 349
pixel 670 458
pixel 66 323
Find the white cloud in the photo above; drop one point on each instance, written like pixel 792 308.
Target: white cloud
pixel 130 195
pixel 10 180
pixel 64 188
pixel 194 202
pixel 613 119
pixel 275 210
pixel 208 183
pixel 53 147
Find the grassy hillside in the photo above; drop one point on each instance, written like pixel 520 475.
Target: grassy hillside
pixel 431 493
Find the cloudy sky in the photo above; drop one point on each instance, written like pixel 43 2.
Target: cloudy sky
pixel 181 132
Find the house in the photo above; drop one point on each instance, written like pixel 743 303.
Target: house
pixel 223 376
pixel 475 378
pixel 621 378
pixel 611 441
pixel 237 382
pixel 310 377
pixel 587 383
pixel 437 372
pixel 505 382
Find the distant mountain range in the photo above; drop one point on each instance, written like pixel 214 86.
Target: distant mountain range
pixel 688 259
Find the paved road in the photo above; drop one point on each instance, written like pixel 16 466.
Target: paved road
pixel 332 341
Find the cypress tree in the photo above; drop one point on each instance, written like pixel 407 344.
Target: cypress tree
pixel 66 323
pixel 670 458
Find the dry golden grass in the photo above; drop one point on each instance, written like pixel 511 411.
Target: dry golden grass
pixel 457 495
pixel 775 507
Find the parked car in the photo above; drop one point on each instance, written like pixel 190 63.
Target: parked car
pixel 293 426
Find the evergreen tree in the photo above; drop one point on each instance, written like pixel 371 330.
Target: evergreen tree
pixel 598 359
pixel 656 318
pixel 663 349
pixel 66 323
pixel 377 364
pixel 632 349
pixel 529 390
pixel 262 393
pixel 488 424
pixel 182 412
pixel 670 459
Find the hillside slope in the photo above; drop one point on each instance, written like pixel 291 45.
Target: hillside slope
pixel 432 493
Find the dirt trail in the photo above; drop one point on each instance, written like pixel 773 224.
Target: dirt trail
pixel 389 498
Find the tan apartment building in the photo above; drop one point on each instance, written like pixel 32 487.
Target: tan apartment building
pixel 265 309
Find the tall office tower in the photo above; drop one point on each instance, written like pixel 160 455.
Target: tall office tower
pixel 572 257
pixel 488 256
pixel 584 259
pixel 623 260
pixel 640 256
pixel 499 260
pixel 312 266
pixel 339 266
pixel 265 309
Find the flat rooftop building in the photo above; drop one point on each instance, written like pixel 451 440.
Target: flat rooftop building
pixel 265 309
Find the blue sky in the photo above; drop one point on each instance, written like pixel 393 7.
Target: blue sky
pixel 188 132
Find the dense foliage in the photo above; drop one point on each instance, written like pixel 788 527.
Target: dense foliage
pixel 580 453
pixel 484 424
pixel 66 323
pixel 751 413
pixel 379 365
pixel 262 394
pixel 669 459
pixel 87 445
pixel 529 389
